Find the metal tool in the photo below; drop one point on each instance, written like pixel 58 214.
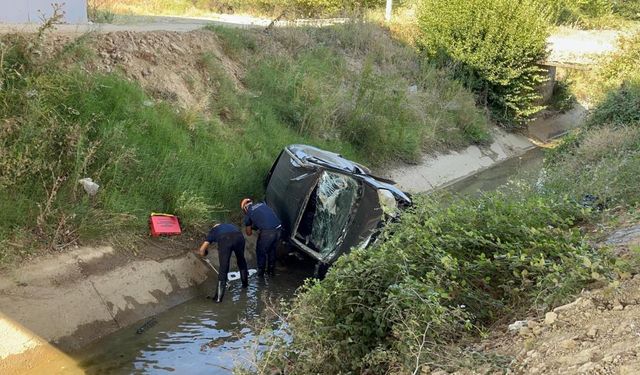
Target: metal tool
pixel 231 276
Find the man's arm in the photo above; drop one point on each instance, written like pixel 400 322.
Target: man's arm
pixel 203 252
pixel 248 225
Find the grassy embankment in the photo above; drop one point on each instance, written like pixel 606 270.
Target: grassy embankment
pixel 454 266
pixel 343 88
pixel 107 10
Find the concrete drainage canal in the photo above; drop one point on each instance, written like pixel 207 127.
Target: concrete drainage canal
pixel 201 337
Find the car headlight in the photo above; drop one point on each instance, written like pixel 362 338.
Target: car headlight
pixel 388 202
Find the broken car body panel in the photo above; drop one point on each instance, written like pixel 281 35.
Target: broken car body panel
pixel 328 204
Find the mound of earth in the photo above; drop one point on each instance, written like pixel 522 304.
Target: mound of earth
pixel 169 65
pixel 598 333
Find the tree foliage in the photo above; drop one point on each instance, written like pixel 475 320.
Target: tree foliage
pixel 494 47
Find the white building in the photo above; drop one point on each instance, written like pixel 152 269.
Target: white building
pixel 31 11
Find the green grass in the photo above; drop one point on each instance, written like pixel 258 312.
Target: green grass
pixel 61 123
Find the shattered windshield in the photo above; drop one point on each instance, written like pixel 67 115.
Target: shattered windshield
pixel 336 196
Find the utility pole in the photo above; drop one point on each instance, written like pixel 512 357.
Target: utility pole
pixel 387 13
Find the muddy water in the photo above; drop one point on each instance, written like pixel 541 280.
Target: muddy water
pixel 198 337
pixel 201 337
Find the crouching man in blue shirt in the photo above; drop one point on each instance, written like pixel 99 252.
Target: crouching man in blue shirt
pixel 230 240
pixel 261 217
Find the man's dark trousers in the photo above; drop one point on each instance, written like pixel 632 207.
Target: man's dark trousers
pixel 230 243
pixel 266 249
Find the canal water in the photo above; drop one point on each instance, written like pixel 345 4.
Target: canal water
pixel 202 337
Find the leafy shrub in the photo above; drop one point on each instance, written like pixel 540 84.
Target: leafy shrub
pixel 619 107
pixel 493 47
pixel 442 269
pixel 562 98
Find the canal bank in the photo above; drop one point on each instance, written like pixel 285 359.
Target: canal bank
pixel 199 337
pixel 73 299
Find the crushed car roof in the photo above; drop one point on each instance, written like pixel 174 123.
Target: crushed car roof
pixel 314 156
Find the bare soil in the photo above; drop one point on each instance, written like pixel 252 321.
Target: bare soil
pixel 597 333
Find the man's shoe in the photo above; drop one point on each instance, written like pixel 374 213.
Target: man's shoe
pixel 222 285
pixel 244 276
pixel 271 270
pixel 260 272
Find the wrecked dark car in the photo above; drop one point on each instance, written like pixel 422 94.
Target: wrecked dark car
pixel 328 204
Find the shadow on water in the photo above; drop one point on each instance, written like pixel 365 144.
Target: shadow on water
pixel 200 336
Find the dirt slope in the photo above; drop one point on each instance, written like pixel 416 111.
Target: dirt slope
pixel 598 333
pixel 169 65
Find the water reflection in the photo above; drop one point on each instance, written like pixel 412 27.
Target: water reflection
pixel 198 337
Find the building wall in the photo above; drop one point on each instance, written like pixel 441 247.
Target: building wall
pixel 30 11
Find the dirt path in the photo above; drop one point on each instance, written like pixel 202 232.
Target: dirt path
pixel 172 24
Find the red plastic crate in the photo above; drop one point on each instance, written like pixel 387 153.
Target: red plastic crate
pixel 164 225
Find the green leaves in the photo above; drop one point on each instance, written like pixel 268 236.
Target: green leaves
pixel 494 47
pixel 449 266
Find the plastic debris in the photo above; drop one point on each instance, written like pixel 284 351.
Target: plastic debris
pixel 515 326
pixel 89 186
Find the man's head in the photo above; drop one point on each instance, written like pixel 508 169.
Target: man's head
pixel 244 204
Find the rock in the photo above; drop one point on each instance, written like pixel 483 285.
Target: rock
pixel 515 326
pixel 525 332
pixel 592 332
pixel 568 344
pixel 533 324
pixel 176 48
pixel 568 306
pixel 618 307
pixel 550 318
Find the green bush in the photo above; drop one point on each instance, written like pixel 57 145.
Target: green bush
pixel 493 47
pixel 444 269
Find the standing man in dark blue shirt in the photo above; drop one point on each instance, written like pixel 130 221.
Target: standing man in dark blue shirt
pixel 261 217
pixel 230 240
